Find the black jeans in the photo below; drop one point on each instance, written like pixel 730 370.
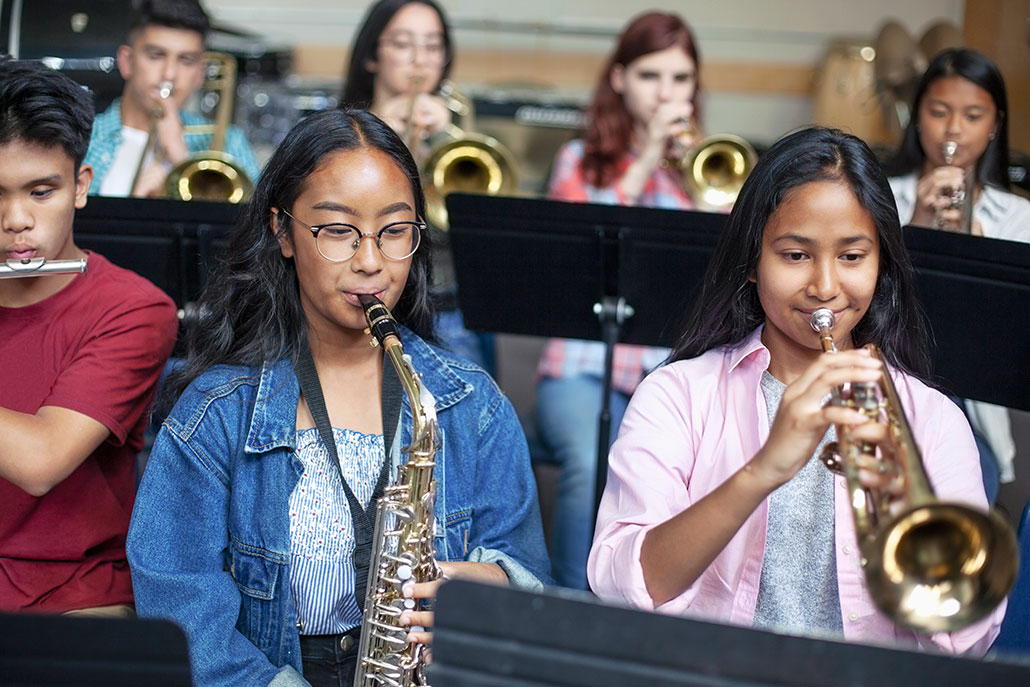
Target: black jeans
pixel 330 660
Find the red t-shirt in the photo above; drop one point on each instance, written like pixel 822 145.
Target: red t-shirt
pixel 96 347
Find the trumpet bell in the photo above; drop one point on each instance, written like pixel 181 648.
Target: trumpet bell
pixel 211 175
pixel 716 171
pixel 473 163
pixel 941 566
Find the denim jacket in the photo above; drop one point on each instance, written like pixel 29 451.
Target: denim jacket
pixel 209 543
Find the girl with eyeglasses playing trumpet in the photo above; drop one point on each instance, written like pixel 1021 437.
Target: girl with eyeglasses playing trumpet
pixel 714 506
pixel 400 55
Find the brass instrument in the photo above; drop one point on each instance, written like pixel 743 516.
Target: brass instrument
pixel 212 174
pixel 37 267
pixel 714 170
pixel 959 198
pixel 403 545
pixel 164 92
pixel 464 161
pixel 930 566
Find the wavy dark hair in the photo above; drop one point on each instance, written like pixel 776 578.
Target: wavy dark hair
pixel 250 311
pixel 992 168
pixel 610 128
pixel 358 90
pixel 42 106
pixel 728 309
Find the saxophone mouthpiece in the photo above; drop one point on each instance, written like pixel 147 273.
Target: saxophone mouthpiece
pixel 948 150
pixel 823 317
pixel 381 324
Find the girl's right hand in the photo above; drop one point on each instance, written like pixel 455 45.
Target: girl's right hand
pixel 804 414
pixel 933 197
pixel 669 123
pixel 429 113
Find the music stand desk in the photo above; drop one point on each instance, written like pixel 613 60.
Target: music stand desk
pixel 488 636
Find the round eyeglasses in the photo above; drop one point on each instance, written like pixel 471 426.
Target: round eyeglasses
pixel 338 242
pixel 402 48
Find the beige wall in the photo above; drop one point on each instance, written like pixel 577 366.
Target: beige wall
pixel 761 58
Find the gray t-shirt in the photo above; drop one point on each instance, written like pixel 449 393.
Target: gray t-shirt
pixel 798 591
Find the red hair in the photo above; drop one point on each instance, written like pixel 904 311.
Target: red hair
pixel 610 127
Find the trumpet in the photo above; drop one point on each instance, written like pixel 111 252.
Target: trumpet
pixel 463 160
pixel 714 169
pixel 37 267
pixel 930 566
pixel 959 198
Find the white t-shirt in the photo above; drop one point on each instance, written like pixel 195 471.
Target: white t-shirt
pixel 118 181
pixel 1002 215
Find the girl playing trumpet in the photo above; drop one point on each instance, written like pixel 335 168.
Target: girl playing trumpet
pixel 713 506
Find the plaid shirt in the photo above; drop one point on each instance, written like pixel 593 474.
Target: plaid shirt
pixel 571 357
pixel 107 138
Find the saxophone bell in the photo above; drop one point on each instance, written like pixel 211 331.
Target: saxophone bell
pixel 930 566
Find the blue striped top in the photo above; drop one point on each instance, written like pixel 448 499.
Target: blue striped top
pixel 321 532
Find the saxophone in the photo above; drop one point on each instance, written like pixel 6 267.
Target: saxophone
pixel 403 546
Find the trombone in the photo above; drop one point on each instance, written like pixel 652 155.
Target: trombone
pixel 212 174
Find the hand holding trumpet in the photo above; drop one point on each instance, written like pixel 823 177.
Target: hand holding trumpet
pixel 945 196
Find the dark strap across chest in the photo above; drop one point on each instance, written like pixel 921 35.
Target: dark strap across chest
pixel 362 518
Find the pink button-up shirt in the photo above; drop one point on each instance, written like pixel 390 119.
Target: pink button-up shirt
pixel 693 424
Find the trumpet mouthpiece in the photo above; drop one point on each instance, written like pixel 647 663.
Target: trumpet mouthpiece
pixel 823 317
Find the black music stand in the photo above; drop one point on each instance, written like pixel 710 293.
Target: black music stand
pixel 172 243
pixel 565 258
pixel 976 294
pixel 487 636
pixel 581 272
pixel 61 651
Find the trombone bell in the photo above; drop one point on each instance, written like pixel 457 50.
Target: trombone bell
pixel 213 174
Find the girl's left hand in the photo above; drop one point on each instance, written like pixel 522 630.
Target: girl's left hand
pixel 454 570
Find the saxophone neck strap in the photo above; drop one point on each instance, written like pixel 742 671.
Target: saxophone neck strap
pixel 363 519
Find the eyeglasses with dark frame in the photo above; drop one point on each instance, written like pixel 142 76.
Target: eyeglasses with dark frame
pixel 339 241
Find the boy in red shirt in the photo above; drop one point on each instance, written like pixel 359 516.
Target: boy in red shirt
pixel 80 357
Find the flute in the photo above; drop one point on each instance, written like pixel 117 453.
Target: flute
pixel 35 267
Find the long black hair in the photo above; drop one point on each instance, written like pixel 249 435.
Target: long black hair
pixel 992 167
pixel 358 90
pixel 728 309
pixel 250 312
